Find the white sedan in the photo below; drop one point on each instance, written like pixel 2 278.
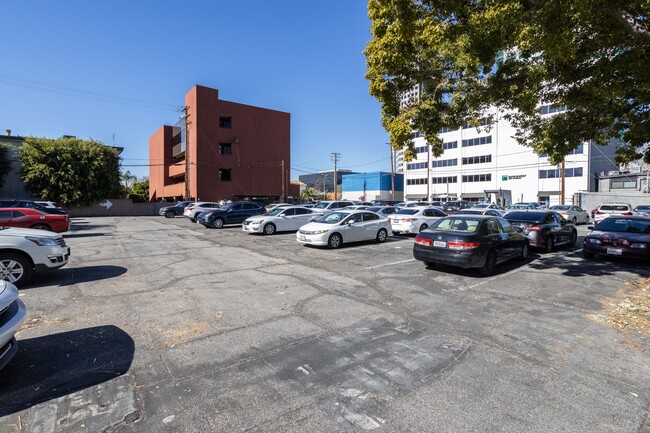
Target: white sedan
pixel 413 220
pixel 280 219
pixel 337 227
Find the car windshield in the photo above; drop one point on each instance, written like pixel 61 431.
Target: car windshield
pixel 469 212
pixel 615 207
pixel 322 205
pixel 276 211
pixel 481 206
pixel 374 209
pixel 624 225
pixel 560 207
pixel 228 206
pixel 406 212
pixel 455 225
pixel 333 217
pixel 525 216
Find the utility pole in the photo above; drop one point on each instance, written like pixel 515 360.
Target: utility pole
pixel 562 188
pixel 187 152
pixel 283 183
pixel 392 172
pixel 335 157
pixel 428 171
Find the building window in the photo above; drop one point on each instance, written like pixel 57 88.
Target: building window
pixel 444 163
pixel 422 149
pixel 551 108
pixel 477 159
pixel 482 122
pixel 478 178
pixel 445 129
pixel 225 149
pixel 225 175
pixel 623 184
pixel 416 134
pixel 225 122
pixel 418 181
pixel 554 173
pixel 477 141
pixel 444 180
pixel 450 145
pixel 577 151
pixel 416 165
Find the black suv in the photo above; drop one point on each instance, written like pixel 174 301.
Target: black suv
pixel 31 204
pixel 234 213
pixel 172 211
pixel 452 207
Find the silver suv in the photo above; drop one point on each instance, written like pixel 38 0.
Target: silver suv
pixel 331 206
pixel 610 209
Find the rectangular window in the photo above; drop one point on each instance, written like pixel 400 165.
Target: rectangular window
pixel 416 165
pixel 225 149
pixel 554 173
pixel 443 130
pixel 225 175
pixel 623 184
pixel 416 134
pixel 225 122
pixel 477 141
pixel 444 180
pixel 477 159
pixel 482 122
pixel 421 149
pixel 478 178
pixel 418 181
pixel 444 163
pixel 551 108
pixel 450 145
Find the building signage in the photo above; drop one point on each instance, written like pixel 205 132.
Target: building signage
pixel 505 177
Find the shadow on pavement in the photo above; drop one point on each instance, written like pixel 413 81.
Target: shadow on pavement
pixel 597 266
pixel 57 365
pixel 68 276
pixel 86 235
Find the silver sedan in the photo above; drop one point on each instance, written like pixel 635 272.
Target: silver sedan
pixel 12 316
pixel 575 214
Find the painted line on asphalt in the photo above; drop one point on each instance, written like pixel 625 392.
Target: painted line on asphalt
pixel 514 271
pixel 391 264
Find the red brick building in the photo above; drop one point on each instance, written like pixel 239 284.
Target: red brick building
pixel 235 151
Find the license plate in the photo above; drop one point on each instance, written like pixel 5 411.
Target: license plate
pixel 614 251
pixel 302 238
pixel 441 244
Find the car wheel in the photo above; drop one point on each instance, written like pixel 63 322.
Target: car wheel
pixel 574 239
pixel 41 227
pixel 575 221
pixel 217 223
pixel 193 220
pixel 170 214
pixel 395 233
pixel 587 255
pixel 549 245
pixel 490 264
pixel 524 251
pixel 430 265
pixel 382 234
pixel 423 227
pixel 15 268
pixel 335 241
pixel 269 229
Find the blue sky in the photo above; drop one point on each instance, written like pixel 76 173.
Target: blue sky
pixel 97 69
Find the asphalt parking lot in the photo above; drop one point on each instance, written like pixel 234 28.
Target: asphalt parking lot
pixel 161 325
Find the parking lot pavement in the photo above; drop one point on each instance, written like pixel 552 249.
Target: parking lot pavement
pixel 162 325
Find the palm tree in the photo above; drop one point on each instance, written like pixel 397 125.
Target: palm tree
pixel 128 179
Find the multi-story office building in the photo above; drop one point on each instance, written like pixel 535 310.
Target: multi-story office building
pixel 487 164
pixel 235 151
pixel 323 181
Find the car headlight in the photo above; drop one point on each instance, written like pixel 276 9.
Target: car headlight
pixel 257 222
pixel 43 242
pixel 320 232
pixel 593 241
pixel 638 245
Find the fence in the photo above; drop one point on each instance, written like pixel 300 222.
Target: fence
pixel 118 207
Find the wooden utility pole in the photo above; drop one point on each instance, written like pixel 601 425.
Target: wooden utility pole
pixel 187 153
pixel 562 187
pixel 335 157
pixel 284 196
pixel 392 172
pixel 428 171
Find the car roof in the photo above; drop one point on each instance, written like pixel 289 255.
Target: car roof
pixel 629 217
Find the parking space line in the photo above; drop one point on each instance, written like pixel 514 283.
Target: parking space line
pixel 514 271
pixel 391 264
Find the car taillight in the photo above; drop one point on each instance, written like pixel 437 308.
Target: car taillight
pixel 408 220
pixel 462 245
pixel 627 213
pixel 458 208
pixel 533 229
pixel 599 212
pixel 565 213
pixel 424 241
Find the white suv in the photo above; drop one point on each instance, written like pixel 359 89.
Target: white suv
pixel 612 209
pixel 23 251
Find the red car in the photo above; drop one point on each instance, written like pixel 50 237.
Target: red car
pixel 33 219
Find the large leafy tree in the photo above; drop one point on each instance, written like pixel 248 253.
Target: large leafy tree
pixel 141 189
pixel 590 56
pixel 5 163
pixel 70 170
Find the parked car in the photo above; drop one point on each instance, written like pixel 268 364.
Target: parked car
pixel 308 205
pixel 414 220
pixel 522 206
pixel 622 236
pixel 330 206
pixel 48 204
pixel 34 219
pixel 496 207
pixel 280 219
pixel 642 210
pixel 270 207
pixel 174 210
pixel 606 210
pixel 479 211
pixel 385 202
pixel 454 206
pixel 356 207
pixel 469 241
pixel 575 214
pixel 12 315
pixel 338 227
pixel 383 211
pixel 33 205
pixel 25 251
pixel 233 213
pixel 192 210
pixel 544 229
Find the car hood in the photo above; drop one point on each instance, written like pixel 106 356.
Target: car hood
pixel 635 237
pixel 21 233
pixel 313 226
pixel 260 217
pixel 8 294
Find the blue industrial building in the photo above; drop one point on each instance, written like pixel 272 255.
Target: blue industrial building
pixel 371 186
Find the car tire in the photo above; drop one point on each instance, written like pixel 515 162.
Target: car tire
pixel 490 264
pixel 587 255
pixel 575 221
pixel 395 233
pixel 334 241
pixel 217 223
pixel 574 239
pixel 41 227
pixel 170 214
pixel 193 220
pixel 269 229
pixel 382 234
pixel 423 227
pixel 549 245
pixel 524 251
pixel 19 265
pixel 430 265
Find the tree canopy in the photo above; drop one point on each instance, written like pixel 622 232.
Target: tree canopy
pixel 70 170
pixel 591 57
pixel 5 163
pixel 141 189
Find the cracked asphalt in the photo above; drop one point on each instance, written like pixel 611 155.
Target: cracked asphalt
pixel 161 325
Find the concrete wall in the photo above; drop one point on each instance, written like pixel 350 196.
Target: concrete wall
pixel 120 207
pixel 591 200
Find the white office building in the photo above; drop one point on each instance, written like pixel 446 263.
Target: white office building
pixel 489 165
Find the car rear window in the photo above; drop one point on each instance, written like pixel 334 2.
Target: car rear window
pixel 406 212
pixel 525 216
pixel 643 207
pixel 624 225
pixel 456 225
pixel 614 207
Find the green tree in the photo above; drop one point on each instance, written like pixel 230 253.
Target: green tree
pixel 5 163
pixel 307 194
pixel 591 57
pixel 128 179
pixel 70 170
pixel 141 189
